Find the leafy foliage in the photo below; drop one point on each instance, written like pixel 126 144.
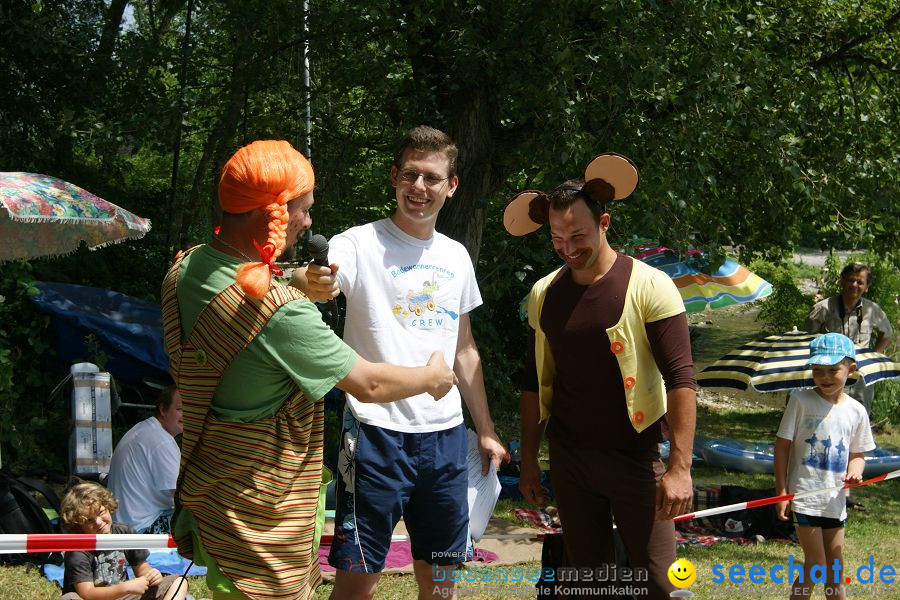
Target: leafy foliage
pixel 28 424
pixel 755 125
pixel 886 405
pixel 787 307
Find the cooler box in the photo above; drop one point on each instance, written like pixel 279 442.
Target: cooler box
pixel 90 442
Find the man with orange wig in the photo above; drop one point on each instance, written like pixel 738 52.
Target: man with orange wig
pixel 252 360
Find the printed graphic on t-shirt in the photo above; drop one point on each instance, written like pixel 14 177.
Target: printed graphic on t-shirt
pixel 109 568
pixel 829 454
pixel 420 306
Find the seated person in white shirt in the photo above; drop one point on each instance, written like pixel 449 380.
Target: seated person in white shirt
pixel 144 468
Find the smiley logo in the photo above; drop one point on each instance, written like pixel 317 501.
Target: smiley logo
pixel 682 573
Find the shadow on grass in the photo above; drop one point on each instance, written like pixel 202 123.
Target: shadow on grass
pixel 881 501
pixel 705 474
pixel 757 426
pixel 720 332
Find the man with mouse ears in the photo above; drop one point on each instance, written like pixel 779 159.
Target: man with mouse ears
pixel 609 371
pixel 409 290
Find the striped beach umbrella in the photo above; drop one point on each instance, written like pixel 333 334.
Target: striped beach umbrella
pixel 730 284
pixel 778 363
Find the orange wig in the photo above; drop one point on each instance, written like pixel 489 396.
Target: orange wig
pixel 265 174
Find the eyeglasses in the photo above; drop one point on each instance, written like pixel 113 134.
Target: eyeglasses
pixel 411 176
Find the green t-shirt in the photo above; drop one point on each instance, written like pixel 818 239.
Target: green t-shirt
pixel 295 348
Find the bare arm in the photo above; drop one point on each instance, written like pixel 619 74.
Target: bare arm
pixel 468 370
pixel 383 382
pixel 675 490
pixel 143 569
pixel 532 432
pixel 782 454
pixel 88 591
pixel 855 468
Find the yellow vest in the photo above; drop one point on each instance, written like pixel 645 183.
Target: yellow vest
pixel 651 295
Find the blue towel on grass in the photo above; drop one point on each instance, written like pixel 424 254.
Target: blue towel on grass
pixel 168 562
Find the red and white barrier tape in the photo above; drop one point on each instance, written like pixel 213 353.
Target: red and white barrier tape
pixel 19 543
pixel 773 499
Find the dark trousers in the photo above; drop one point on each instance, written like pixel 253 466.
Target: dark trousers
pixel 593 489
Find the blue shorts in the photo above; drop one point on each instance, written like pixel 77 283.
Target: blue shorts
pixel 802 520
pixel 383 475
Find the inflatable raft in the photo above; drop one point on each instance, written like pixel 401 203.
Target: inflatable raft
pixel 759 457
pixel 735 455
pixel 882 460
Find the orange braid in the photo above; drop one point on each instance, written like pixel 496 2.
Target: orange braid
pixel 255 278
pixel 265 174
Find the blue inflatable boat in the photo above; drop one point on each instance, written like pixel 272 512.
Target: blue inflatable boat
pixel 759 457
pixel 882 460
pixel 735 455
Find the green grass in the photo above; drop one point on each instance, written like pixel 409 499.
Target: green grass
pixel 753 423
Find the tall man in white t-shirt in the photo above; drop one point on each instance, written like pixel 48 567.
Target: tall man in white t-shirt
pixel 144 468
pixel 409 290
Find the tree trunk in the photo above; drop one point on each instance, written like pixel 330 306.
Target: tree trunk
pixel 472 125
pixel 217 146
pixel 464 96
pixel 110 31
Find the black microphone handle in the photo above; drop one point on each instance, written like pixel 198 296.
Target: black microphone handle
pixel 317 247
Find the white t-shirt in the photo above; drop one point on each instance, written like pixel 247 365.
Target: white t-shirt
pixel 822 435
pixel 404 299
pixel 143 473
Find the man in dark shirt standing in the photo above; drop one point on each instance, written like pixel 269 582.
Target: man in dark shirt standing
pixel 612 352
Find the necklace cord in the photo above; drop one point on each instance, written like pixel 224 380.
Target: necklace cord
pixel 226 244
pixel 267 255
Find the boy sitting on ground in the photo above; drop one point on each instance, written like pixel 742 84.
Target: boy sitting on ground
pixel 101 575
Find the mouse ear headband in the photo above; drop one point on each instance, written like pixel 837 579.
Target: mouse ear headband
pixel 609 176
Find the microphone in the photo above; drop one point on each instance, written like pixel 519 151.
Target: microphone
pixel 317 248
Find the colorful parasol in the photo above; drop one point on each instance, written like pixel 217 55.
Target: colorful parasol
pixel 728 285
pixel 46 216
pixel 778 363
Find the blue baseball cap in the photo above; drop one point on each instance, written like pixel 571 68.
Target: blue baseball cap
pixel 830 349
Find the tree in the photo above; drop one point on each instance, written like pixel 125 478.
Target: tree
pixel 757 125
pixel 731 109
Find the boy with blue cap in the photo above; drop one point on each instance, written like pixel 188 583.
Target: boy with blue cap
pixel 820 444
